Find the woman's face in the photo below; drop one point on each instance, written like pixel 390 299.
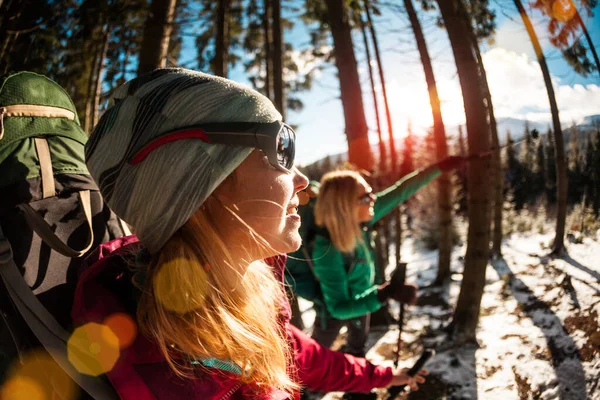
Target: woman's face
pixel 365 201
pixel 265 199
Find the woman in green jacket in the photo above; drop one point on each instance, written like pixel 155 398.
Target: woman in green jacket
pixel 343 260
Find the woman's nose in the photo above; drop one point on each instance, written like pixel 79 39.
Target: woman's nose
pixel 300 180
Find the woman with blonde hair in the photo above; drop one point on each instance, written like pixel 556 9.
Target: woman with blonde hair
pixel 203 170
pixel 342 255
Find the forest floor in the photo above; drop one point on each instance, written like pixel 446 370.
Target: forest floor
pixel 539 334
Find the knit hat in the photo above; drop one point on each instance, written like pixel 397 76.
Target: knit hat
pixel 158 195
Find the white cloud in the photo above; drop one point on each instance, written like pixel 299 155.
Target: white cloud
pixel 512 36
pixel 517 88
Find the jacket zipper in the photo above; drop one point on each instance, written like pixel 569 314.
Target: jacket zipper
pixel 231 391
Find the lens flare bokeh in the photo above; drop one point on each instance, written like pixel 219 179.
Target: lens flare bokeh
pixel 38 377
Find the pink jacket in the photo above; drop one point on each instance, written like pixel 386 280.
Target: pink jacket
pixel 141 372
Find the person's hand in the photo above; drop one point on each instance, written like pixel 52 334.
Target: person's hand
pixel 401 377
pixel 405 293
pixel 451 162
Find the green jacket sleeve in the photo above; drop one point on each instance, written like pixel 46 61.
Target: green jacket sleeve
pixel 400 191
pixel 330 270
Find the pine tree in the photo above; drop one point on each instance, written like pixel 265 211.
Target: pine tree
pixel 407 165
pixel 523 192
pixel 551 167
pixel 514 173
pixel 540 171
pixel 575 168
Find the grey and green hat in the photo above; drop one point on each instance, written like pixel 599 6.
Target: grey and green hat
pixel 157 196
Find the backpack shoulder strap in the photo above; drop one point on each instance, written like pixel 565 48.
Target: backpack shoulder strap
pixel 45 327
pixel 40 227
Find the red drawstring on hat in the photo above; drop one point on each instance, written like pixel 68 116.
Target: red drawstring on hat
pixel 171 137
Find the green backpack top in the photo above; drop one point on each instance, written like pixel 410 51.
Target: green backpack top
pixel 31 106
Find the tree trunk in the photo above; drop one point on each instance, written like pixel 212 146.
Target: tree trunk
pixel 359 150
pixel 221 59
pixel 157 33
pixel 498 191
pixel 498 171
pixel 91 90
pixel 498 177
pixel 558 246
pixel 439 134
pixel 382 152
pixel 588 39
pixel 99 70
pixel 466 314
pixel 268 34
pixel 278 82
pixel 393 155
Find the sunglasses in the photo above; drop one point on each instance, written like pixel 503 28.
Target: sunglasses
pixel 276 139
pixel 367 198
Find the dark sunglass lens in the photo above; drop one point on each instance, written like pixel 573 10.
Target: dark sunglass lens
pixel 285 147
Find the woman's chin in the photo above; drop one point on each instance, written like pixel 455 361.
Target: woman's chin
pixel 285 243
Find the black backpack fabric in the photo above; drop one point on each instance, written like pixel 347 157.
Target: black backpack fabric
pixel 51 216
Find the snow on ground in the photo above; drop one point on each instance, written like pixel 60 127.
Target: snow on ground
pixel 539 335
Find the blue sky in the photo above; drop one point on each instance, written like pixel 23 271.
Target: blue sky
pixel 515 80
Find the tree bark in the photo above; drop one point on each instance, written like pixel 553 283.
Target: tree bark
pixel 99 71
pixel 467 310
pixel 221 59
pixel 588 39
pixel 268 34
pixel 441 146
pixel 278 82
pixel 393 155
pixel 498 177
pixel 91 90
pixel 558 246
pixel 382 152
pixel 359 150
pixel 498 172
pixel 157 33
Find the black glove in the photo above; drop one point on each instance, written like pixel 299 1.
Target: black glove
pixel 450 163
pixel 405 293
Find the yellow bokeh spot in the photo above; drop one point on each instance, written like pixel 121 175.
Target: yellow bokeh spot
pixel 38 377
pixel 22 388
pixel 563 10
pixel 93 349
pixel 181 286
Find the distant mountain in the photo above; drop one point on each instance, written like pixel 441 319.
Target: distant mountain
pixel 591 121
pixel 514 125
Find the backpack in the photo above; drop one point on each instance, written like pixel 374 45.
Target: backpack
pixel 51 217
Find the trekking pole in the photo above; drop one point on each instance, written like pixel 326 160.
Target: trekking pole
pixel 397 279
pixel 396 390
pixel 534 135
